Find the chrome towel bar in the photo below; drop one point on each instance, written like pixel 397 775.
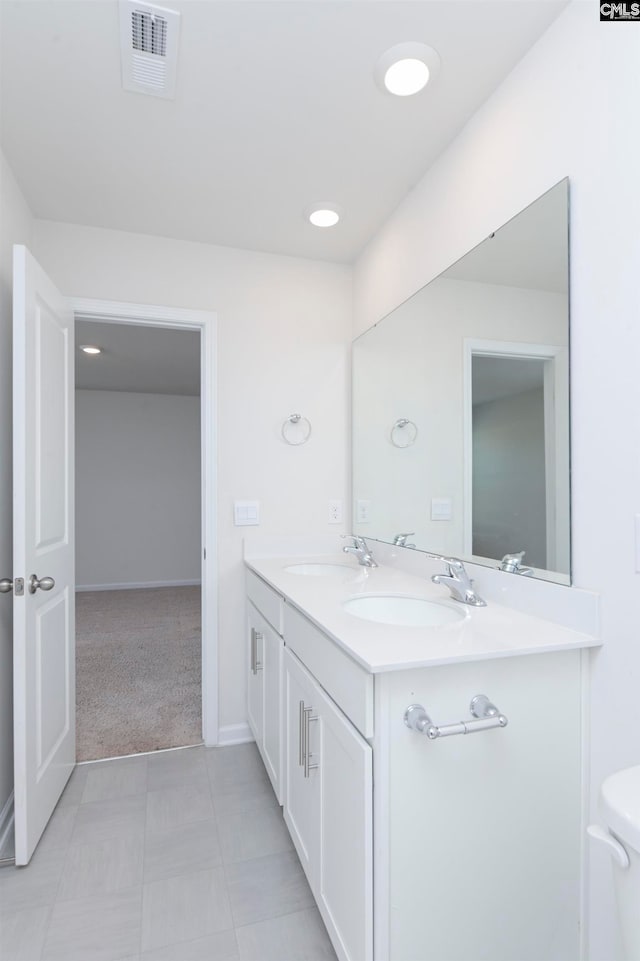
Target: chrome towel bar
pixel 485 716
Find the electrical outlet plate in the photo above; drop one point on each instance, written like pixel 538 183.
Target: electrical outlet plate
pixel 335 511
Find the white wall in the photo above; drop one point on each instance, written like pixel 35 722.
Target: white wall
pixel 569 108
pixel 283 344
pixel 15 227
pixel 137 488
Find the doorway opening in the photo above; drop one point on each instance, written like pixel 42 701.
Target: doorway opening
pixel 145 659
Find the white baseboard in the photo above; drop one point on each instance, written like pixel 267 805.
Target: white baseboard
pixel 234 734
pixel 6 822
pixel 135 586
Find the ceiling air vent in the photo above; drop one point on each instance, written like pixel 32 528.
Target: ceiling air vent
pixel 149 42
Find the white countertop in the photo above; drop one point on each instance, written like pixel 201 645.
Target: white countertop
pixel 485 632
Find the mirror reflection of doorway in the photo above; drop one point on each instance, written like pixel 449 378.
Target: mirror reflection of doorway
pixel 516 452
pixel 509 470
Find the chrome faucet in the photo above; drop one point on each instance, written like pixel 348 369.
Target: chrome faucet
pixel 512 564
pixel 458 581
pixel 360 549
pixel 400 540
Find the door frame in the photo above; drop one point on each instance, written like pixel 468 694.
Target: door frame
pixel 556 468
pixel 205 321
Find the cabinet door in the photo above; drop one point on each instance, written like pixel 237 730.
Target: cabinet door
pixel 272 646
pixel 328 809
pixel 255 681
pixel 301 786
pixel 345 885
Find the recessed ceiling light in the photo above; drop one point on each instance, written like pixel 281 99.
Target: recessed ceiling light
pixel 323 215
pixel 406 68
pixel 406 77
pixel 90 349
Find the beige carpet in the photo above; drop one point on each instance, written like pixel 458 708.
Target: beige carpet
pixel 138 671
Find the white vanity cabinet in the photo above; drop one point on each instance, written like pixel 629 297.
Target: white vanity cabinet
pixel 463 848
pixel 328 809
pixel 478 836
pixel 264 688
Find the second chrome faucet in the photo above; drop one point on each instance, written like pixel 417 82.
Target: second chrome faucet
pixel 360 549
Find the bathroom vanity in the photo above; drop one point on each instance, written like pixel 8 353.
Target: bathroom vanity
pixel 417 848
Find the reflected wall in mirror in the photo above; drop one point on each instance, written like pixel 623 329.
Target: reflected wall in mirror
pixel 475 369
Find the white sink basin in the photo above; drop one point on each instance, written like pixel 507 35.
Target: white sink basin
pixel 318 570
pixel 402 611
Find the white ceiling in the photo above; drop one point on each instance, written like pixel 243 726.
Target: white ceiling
pixel 276 108
pixel 145 360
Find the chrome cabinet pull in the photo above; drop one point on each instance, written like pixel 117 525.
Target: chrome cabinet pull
pixel 44 583
pixel 255 663
pixel 305 716
pixel 301 744
pixel 485 716
pixel 308 717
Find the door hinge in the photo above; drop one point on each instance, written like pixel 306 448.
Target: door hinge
pixel 205 553
pixel 18 586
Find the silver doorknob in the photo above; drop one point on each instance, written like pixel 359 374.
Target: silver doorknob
pixel 44 583
pixel 6 585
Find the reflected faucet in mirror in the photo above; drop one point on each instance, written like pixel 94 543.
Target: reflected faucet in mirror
pixel 400 540
pixel 360 549
pixel 512 564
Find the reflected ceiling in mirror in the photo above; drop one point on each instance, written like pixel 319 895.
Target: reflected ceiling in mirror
pixel 461 405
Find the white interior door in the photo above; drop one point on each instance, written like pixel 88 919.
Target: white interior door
pixel 43 549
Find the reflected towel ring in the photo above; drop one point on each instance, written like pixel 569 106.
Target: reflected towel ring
pixel 296 430
pixel 403 432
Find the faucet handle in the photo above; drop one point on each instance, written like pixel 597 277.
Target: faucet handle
pixel 358 541
pixel 453 563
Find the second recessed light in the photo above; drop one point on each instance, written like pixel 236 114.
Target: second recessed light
pixel 323 215
pixel 406 68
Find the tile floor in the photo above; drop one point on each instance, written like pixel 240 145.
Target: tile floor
pixel 176 856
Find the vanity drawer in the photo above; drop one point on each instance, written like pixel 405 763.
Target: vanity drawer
pixel 266 600
pixel 348 684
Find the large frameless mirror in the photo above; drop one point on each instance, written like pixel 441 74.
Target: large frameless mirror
pixel 461 405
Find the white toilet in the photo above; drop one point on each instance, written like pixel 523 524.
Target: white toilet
pixel 620 809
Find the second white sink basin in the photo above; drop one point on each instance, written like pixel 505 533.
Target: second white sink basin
pixel 402 611
pixel 318 570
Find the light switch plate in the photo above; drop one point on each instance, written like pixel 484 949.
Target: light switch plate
pixel 441 508
pixel 246 513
